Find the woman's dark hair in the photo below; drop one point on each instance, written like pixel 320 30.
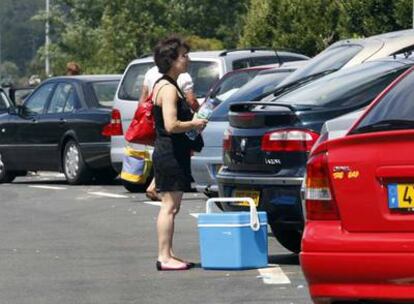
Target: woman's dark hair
pixel 167 51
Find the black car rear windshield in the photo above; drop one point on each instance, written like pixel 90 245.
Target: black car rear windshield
pixel 346 87
pixel 264 82
pixel 331 59
pixel 394 111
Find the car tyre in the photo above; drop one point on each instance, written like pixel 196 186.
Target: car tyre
pixel 6 176
pixel 290 239
pixel 211 194
pixel 74 167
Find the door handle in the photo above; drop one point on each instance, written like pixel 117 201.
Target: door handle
pixel 34 120
pixel 62 121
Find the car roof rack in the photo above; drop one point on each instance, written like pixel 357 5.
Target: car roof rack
pixel 251 49
pixel 145 55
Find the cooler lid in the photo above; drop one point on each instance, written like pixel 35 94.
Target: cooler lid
pixel 241 218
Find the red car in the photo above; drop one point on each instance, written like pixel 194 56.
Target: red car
pixel 358 243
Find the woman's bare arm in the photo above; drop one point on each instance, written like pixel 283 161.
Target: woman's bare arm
pixel 168 97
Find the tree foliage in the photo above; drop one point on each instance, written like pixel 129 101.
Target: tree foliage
pixel 129 30
pixel 309 26
pixel 20 37
pixel 104 35
pixel 210 19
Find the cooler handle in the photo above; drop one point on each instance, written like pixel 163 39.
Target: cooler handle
pixel 254 218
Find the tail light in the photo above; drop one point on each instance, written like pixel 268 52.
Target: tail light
pixel 289 140
pixel 114 128
pixel 227 140
pixel 320 202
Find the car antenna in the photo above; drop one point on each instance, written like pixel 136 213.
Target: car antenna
pixel 278 57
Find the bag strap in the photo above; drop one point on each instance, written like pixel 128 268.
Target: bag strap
pixel 174 83
pixel 155 100
pixel 149 97
pixel 170 81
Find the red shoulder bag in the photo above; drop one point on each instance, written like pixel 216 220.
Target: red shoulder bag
pixel 142 127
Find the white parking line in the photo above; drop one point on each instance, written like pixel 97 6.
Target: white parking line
pixel 273 275
pixel 49 187
pixel 109 194
pixel 51 174
pixel 158 204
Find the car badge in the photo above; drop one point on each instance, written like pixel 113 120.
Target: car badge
pixel 340 172
pixel 243 143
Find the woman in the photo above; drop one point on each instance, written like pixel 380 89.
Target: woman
pixel 172 151
pixel 73 68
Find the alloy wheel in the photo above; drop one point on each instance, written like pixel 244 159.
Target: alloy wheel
pixel 2 169
pixel 72 161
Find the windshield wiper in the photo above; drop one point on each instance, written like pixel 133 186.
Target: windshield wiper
pixel 383 125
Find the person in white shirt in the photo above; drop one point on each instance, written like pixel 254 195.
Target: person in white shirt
pixel 185 82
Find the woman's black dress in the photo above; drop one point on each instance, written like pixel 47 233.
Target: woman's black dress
pixel 172 152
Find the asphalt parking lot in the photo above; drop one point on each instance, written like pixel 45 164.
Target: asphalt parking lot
pixel 97 244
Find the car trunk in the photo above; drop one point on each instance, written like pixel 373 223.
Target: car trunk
pixel 250 123
pixel 373 181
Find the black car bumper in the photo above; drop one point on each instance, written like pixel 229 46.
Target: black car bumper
pixel 280 197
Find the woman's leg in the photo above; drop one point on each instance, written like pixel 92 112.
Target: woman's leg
pixel 165 226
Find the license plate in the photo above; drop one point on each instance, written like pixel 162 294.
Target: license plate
pixel 255 195
pixel 401 196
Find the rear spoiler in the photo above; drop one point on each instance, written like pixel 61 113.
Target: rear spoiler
pixel 246 106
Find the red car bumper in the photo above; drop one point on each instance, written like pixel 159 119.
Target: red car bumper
pixel 341 265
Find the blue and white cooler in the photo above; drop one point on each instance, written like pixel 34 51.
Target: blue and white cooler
pixel 233 240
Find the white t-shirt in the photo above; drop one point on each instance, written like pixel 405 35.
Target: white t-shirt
pixel 184 81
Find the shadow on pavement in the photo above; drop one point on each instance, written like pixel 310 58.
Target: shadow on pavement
pixel 284 259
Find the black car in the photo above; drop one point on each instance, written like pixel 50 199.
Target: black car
pixel 60 127
pixel 267 144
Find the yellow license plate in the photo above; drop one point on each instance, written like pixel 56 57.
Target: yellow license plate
pixel 255 195
pixel 401 196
